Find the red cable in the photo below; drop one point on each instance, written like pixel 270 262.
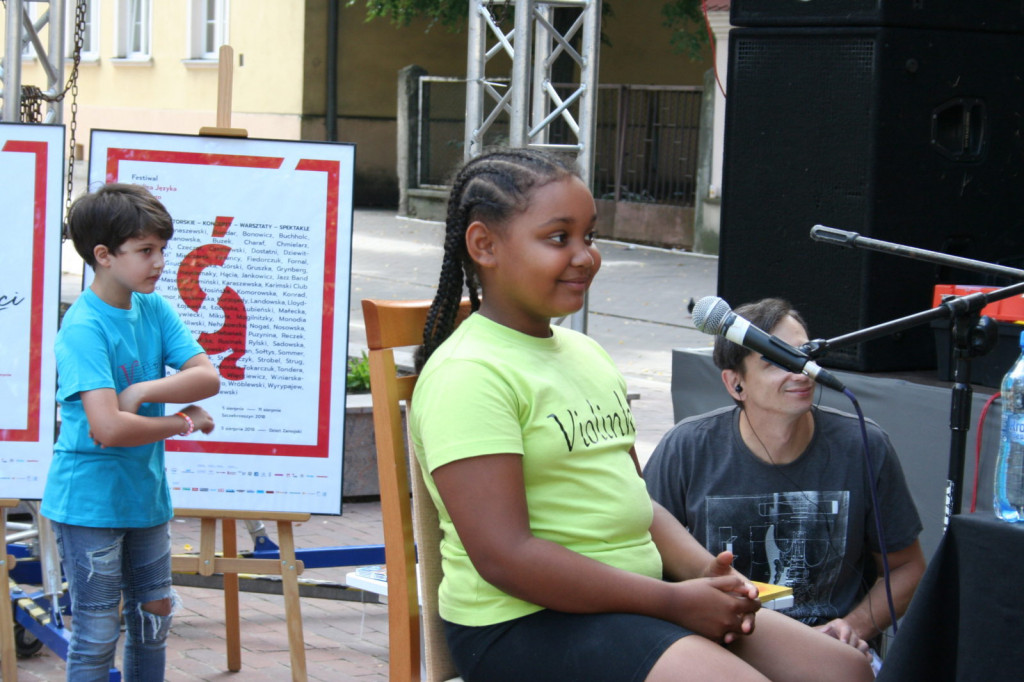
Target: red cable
pixel 711 40
pixel 977 449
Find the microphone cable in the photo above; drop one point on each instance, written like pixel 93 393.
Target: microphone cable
pixel 873 488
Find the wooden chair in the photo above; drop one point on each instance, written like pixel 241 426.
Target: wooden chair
pixel 409 516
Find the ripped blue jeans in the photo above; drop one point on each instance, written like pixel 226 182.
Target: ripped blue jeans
pixel 101 565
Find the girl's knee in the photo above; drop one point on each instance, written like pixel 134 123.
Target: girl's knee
pixel 697 658
pixel 856 666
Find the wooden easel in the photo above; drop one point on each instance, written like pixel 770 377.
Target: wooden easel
pixel 225 78
pixel 8 652
pixel 230 565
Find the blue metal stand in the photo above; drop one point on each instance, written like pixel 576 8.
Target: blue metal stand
pixel 321 557
pixel 42 618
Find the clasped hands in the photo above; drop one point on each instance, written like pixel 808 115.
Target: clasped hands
pixel 721 604
pixel 738 617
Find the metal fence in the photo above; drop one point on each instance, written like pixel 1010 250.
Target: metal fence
pixel 645 151
pixel 646 147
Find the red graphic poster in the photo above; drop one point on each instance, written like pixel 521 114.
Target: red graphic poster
pixel 31 193
pixel 258 266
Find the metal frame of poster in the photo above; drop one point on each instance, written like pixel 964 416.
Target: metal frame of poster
pixel 259 270
pixel 32 196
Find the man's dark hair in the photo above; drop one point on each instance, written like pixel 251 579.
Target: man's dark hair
pixel 113 214
pixel 764 314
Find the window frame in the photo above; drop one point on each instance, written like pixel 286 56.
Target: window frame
pixel 126 47
pixel 205 33
pixel 92 31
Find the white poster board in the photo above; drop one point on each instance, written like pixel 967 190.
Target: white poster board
pixel 258 269
pixel 31 197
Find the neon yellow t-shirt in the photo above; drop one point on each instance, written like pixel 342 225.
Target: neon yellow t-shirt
pixel 561 403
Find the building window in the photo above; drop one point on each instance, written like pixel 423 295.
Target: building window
pixel 91 34
pixel 208 28
pixel 134 29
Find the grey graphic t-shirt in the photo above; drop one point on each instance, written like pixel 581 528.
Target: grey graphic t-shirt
pixel 808 524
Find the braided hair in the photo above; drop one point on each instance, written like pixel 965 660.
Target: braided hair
pixel 492 188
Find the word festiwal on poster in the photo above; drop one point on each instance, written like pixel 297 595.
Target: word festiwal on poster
pixel 31 193
pixel 259 270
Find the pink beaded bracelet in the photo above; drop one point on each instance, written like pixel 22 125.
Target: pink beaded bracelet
pixel 188 421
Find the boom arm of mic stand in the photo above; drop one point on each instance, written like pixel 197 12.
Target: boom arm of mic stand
pixel 844 238
pixel 954 307
pixel 960 308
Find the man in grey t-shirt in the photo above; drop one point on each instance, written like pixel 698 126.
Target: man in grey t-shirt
pixel 784 486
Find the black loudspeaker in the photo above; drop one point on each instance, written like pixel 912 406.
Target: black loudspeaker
pixel 905 135
pixel 959 15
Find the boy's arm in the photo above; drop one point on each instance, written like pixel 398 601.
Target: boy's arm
pixel 114 420
pixel 110 426
pixel 198 379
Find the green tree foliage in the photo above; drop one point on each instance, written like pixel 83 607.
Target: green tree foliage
pixel 684 17
pixel 449 13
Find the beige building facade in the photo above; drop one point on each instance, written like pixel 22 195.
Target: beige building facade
pixel 150 65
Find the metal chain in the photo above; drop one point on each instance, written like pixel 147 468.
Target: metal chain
pixel 31 104
pixel 80 12
pixel 32 98
pixel 499 11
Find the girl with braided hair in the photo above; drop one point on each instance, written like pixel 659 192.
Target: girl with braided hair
pixel 557 565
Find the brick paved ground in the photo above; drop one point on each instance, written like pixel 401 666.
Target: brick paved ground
pixel 345 640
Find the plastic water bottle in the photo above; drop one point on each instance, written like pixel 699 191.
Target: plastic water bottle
pixel 1009 483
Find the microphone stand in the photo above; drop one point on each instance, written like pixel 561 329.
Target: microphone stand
pixel 971 335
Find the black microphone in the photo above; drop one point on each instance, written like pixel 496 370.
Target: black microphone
pixel 712 315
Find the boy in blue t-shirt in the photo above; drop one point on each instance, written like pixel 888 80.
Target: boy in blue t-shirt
pixel 106 492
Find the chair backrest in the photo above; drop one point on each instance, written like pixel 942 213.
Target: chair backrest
pixel 390 325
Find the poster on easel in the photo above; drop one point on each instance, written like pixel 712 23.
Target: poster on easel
pixel 32 196
pixel 259 270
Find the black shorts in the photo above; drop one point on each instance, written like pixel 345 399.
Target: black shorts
pixel 551 645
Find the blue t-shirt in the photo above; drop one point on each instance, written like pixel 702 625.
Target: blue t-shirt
pixel 100 346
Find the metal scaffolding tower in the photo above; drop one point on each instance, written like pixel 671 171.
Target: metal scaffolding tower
pixel 530 98
pixel 22 31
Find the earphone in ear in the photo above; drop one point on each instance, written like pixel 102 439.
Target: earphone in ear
pixel 739 389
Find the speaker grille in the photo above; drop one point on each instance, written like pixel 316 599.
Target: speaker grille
pixel 856 128
pixel 964 15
